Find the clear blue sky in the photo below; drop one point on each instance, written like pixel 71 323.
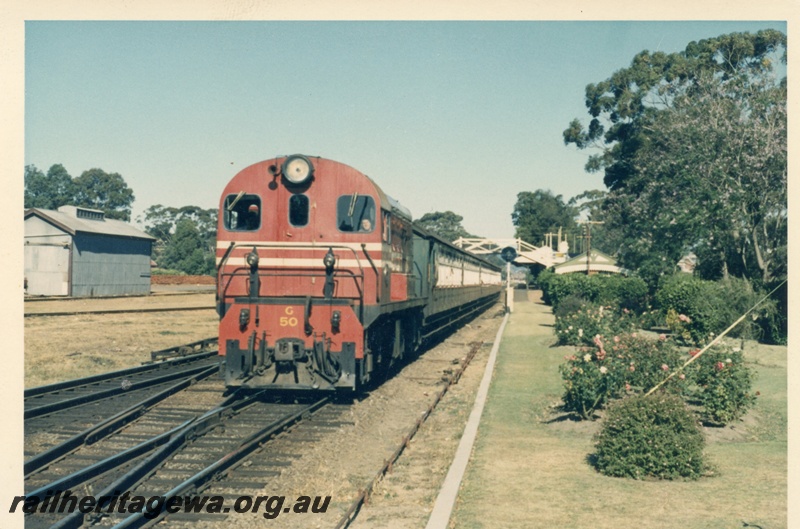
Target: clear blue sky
pixel 456 116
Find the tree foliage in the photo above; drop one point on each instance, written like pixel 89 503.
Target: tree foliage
pixel 693 146
pixel 177 249
pixel 94 189
pixel 445 224
pixel 187 251
pixel 622 106
pixel 540 212
pixel 713 179
pixel 50 191
pixel 108 192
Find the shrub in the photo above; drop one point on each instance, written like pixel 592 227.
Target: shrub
pixel 625 292
pixel 556 287
pixel 650 436
pixel 739 296
pixel 615 290
pixel 587 387
pixel 706 308
pixel 722 384
pixel 615 367
pixel 698 301
pixel 569 305
pixel 648 362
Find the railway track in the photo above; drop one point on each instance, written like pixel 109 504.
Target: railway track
pixel 184 461
pixel 93 452
pixel 117 311
pixel 61 417
pixel 59 397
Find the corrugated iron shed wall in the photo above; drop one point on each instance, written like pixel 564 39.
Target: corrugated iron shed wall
pixel 104 265
pixel 47 250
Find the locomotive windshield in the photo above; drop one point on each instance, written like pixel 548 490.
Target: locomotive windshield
pixel 242 212
pixel 355 213
pixel 298 210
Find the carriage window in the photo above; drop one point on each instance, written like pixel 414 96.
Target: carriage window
pixel 298 210
pixel 242 212
pixel 355 213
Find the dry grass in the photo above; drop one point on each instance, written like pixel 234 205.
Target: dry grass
pixel 65 347
pixel 529 468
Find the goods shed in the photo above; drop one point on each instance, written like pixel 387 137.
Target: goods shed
pixel 79 252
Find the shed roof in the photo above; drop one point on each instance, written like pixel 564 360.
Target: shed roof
pixel 67 219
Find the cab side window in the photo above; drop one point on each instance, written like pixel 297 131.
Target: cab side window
pixel 242 212
pixel 355 213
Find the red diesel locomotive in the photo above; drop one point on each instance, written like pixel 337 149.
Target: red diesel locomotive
pixel 323 282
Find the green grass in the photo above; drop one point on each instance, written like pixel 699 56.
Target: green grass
pixel 530 469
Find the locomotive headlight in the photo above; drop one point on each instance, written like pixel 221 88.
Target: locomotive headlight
pixel 329 260
pixel 252 259
pixel 297 169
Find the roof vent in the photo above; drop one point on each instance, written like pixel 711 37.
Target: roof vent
pixel 83 213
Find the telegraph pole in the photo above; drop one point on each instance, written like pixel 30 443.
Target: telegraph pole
pixel 588 224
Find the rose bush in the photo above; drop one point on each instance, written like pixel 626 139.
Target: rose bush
pixel 623 364
pixel 580 327
pixel 721 384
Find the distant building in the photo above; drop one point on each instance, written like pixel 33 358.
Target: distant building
pixel 78 252
pixel 598 263
pixel 688 263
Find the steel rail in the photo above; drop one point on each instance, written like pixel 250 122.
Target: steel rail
pixel 117 311
pixel 112 462
pixel 183 350
pixel 66 404
pixel 127 372
pixel 109 426
pixel 166 444
pixel 108 464
pixel 199 481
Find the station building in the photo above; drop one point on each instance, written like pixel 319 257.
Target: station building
pixel 77 252
pixel 597 263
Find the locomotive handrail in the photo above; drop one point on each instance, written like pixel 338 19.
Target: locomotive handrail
pixel 377 274
pixel 243 272
pixel 313 271
pixel 287 246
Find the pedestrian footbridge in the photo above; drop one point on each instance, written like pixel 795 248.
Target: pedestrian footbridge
pixel 527 254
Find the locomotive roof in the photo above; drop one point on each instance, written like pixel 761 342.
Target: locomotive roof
pixel 387 201
pixel 397 207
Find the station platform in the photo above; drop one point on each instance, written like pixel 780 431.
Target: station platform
pixel 482 485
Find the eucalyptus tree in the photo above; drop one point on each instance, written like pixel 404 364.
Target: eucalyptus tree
pixel 48 191
pixel 693 150
pixel 541 212
pixel 445 224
